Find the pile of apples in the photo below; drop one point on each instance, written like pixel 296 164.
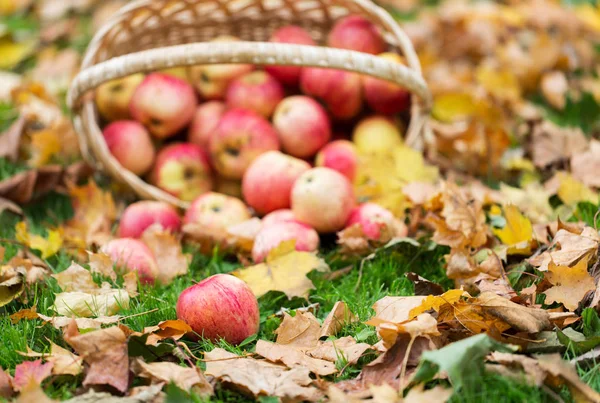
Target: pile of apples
pixel 273 136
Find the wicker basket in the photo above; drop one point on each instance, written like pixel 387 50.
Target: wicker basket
pixel 149 35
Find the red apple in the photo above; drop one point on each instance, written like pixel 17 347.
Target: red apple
pixel 205 123
pixel 356 33
pixel 133 255
pixel 340 90
pixel 270 236
pixel 241 136
pixel 216 211
pixel 113 97
pixel 212 80
pixel 323 198
pixel 303 126
pixel 138 216
pixel 377 134
pixel 220 307
pixel 383 96
pixel 289 75
pixel 341 156
pixel 373 219
pixel 164 104
pixel 130 143
pixel 183 170
pixel 279 216
pixel 257 91
pixel 269 179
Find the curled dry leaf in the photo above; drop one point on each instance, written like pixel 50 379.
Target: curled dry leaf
pixel 64 362
pixel 31 373
pixel 168 329
pixel 76 278
pixel 185 378
pixel 259 378
pixel 339 317
pixel 166 248
pixel 103 302
pixel 569 284
pixel 568 248
pixel 12 283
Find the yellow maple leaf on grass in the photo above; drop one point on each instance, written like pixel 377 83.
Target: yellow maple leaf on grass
pixel 285 270
pixel 48 246
pixel 517 233
pixel 570 284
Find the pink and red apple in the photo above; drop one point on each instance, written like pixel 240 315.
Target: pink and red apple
pixel 183 170
pixel 138 216
pixel 356 33
pixel 216 211
pixel 383 96
pixel 377 134
pixel 279 216
pixel 257 91
pixel 289 75
pixel 164 104
pixel 130 143
pixel 205 122
pixel 241 136
pixel 303 126
pixel 269 179
pixel 131 254
pixel 113 97
pixel 271 236
pixel 374 219
pixel 341 156
pixel 323 199
pixel 220 307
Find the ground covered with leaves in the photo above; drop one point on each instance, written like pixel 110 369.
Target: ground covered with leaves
pixel 494 295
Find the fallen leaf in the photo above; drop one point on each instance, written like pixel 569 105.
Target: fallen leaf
pixel 6 390
pixel 517 233
pixel 344 348
pixel 532 199
pixel 104 302
pixel 551 143
pixel 165 247
pixel 557 367
pixel 521 318
pixel 10 140
pixel 570 284
pixel 568 249
pixel 586 165
pixel 554 87
pixel 105 351
pixel 571 191
pixel 12 284
pixel 102 264
pixel 418 394
pixel 47 246
pixel 12 53
pixel 60 322
pixel 30 373
pixel 185 378
pixel 535 375
pixel 259 378
pixel 139 394
pixel 301 330
pixel 294 358
pixel 33 393
pixel 283 272
pixel 168 329
pixel 424 286
pixel 130 283
pixel 396 309
pixel 501 84
pixel 76 278
pixel 63 361
pixel 436 301
pixel 339 317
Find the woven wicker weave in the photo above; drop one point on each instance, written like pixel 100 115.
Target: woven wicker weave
pixel 149 35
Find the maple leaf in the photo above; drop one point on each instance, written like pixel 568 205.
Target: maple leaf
pixel 436 301
pixel 48 246
pixel 568 249
pixel 30 373
pixel 517 233
pixel 185 378
pixel 570 284
pixel 285 270
pixel 76 278
pixel 168 329
pixel 166 248
pixel 63 361
pixel 260 377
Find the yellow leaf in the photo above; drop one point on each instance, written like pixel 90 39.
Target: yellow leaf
pixel 500 84
pixel 571 191
pixel 44 145
pixel 589 15
pixel 48 246
pixel 517 233
pixel 12 53
pixel 453 106
pixel 436 301
pixel 571 284
pixel 285 273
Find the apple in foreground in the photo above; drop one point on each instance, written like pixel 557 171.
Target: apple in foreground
pixel 131 254
pixel 241 136
pixel 374 218
pixel 383 96
pixel 340 90
pixel 216 211
pixel 183 170
pixel 113 97
pixel 270 236
pixel 355 32
pixel 138 216
pixel 257 91
pixel 377 134
pixel 164 104
pixel 205 122
pixel 323 199
pixel 303 126
pixel 130 143
pixel 267 183
pixel 341 156
pixel 289 75
pixel 220 307
pixel 279 216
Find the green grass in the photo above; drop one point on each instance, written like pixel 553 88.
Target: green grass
pixel 384 275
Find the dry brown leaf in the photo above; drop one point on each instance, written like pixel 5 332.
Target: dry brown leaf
pixel 301 330
pixel 185 378
pixel 521 318
pixel 339 317
pixel 130 283
pixel 554 365
pixel 353 241
pixel 535 375
pixel 294 358
pixel 76 278
pixel 168 329
pixel 586 165
pixel 423 286
pixel 10 140
pixel 438 394
pixel 568 249
pixel 570 284
pixel 105 351
pixel 166 248
pixel 344 347
pixel 396 309
pixel 551 143
pixel 6 390
pixel 260 378
pixel 64 362
pixel 103 302
pixel 12 283
pixel 102 264
pixel 554 87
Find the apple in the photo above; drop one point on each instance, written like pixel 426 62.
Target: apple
pixel 138 216
pixel 340 90
pixel 241 136
pixel 183 170
pixel 164 104
pixel 323 199
pixel 220 307
pixel 216 211
pixel 229 187
pixel 132 254
pixel 257 91
pixel 383 96
pixel 270 236
pixel 267 183
pixel 356 33
pixel 373 219
pixel 279 216
pixel 212 80
pixel 376 134
pixel 113 97
pixel 205 121
pixel 303 126
pixel 289 75
pixel 130 143
pixel 341 156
